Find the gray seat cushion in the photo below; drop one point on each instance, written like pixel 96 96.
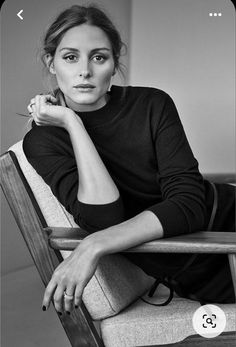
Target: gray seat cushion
pixel 141 324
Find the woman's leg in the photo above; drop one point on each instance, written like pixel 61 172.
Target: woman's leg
pixel 210 279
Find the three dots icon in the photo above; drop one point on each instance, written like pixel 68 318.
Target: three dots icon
pixel 215 14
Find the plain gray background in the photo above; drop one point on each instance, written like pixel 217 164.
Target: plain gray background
pixel 173 45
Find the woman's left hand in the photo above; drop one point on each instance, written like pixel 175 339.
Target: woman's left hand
pixel 71 277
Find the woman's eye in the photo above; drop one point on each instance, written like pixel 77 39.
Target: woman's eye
pixel 99 58
pixel 70 58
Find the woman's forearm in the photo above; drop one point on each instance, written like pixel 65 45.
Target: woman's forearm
pixel 95 183
pixel 142 228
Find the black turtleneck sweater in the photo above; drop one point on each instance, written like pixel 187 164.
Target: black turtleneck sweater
pixel 140 139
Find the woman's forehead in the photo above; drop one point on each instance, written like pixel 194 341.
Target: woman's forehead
pixel 85 36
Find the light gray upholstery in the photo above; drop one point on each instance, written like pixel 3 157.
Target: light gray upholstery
pixel 144 325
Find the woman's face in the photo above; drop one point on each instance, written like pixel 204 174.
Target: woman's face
pixel 83 65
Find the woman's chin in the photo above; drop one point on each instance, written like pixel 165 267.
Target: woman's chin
pixel 80 101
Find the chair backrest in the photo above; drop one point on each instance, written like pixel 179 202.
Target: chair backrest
pixel 117 282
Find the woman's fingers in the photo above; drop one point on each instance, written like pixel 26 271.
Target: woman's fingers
pixel 78 296
pixel 43 106
pixel 65 299
pixel 40 100
pixel 32 102
pixel 50 98
pixel 48 294
pixel 46 99
pixel 36 110
pixel 58 299
pixel 39 106
pixel 30 106
pixel 29 109
pixel 69 299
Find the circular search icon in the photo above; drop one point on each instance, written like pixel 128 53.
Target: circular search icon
pixel 209 321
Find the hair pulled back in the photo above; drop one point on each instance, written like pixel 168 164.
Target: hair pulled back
pixel 77 15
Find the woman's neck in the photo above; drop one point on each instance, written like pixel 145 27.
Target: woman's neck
pixel 86 107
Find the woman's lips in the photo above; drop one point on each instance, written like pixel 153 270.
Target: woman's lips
pixel 85 87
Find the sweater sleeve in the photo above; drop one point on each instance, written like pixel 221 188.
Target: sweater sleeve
pixel 49 151
pixel 182 209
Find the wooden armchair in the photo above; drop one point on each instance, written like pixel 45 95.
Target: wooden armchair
pixel 112 313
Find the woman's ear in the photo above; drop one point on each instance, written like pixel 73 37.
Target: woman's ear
pixel 51 68
pixel 49 63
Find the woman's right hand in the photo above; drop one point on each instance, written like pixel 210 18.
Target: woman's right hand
pixel 71 276
pixel 45 112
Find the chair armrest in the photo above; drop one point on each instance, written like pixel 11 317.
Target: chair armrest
pixel 199 242
pixel 229 177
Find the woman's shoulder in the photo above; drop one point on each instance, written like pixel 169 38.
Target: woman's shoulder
pixel 42 133
pixel 146 91
pixel 40 140
pixel 143 93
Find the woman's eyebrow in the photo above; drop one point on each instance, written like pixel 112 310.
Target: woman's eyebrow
pixel 100 49
pixel 92 51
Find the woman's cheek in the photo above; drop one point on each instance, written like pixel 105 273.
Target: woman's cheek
pixel 107 77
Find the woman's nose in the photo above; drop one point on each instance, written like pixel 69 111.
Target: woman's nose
pixel 85 70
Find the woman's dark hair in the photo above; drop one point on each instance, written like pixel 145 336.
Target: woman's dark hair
pixel 77 15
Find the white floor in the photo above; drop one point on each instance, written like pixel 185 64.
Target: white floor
pixel 23 323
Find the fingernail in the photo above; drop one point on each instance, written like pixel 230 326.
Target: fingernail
pixel 67 312
pixel 44 308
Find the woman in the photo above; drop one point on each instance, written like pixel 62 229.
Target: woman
pixel 120 163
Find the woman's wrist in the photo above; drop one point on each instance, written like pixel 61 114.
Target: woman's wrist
pixel 101 243
pixel 72 120
pixel 125 235
pixel 94 244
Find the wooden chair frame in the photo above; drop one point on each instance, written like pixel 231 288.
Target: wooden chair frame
pixel 44 244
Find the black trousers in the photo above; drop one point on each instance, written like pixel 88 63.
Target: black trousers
pixel 208 278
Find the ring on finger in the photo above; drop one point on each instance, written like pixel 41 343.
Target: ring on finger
pixel 67 296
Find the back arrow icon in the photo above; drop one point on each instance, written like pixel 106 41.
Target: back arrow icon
pixel 19 14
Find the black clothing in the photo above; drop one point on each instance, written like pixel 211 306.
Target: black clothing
pixel 140 138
